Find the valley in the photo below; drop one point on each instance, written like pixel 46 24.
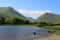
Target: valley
pixel 10 17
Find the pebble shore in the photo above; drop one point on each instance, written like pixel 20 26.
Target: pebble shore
pixel 52 37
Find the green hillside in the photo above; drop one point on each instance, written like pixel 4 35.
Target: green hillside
pixel 10 12
pixel 9 15
pixel 4 16
pixel 47 17
pixel 57 20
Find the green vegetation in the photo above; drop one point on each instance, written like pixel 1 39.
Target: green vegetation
pixel 51 31
pixel 9 16
pixel 57 21
pixel 50 21
pixel 47 17
pixel 9 12
pixel 13 21
pixel 57 32
pixel 45 24
pixel 53 28
pixel 2 21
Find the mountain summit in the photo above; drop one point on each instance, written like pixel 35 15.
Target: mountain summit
pixel 10 12
pixel 47 17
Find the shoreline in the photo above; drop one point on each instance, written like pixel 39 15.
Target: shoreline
pixel 52 37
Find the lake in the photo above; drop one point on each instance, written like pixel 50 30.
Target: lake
pixel 21 32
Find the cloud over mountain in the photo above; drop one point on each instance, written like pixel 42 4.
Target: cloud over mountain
pixel 33 13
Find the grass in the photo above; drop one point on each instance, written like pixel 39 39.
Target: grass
pixel 57 32
pixel 53 29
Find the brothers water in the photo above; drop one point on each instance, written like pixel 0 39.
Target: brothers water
pixel 21 32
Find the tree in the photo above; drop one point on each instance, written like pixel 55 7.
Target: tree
pixel 42 24
pixel 35 22
pixel 17 21
pixel 27 22
pixel 2 20
pixel 8 20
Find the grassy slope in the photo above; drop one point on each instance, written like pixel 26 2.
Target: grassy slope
pixel 52 27
pixel 57 20
pixel 55 29
pixel 47 17
pixel 10 12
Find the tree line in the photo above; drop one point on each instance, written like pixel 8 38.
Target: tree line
pixel 40 24
pixel 13 21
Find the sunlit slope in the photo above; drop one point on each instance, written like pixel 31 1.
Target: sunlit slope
pixel 47 17
pixel 12 13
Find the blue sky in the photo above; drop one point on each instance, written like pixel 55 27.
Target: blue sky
pixel 32 6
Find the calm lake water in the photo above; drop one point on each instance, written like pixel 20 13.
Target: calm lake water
pixel 21 32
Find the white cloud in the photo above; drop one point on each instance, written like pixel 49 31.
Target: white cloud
pixel 33 13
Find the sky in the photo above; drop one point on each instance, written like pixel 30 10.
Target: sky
pixel 33 8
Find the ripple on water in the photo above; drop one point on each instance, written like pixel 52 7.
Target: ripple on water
pixel 23 32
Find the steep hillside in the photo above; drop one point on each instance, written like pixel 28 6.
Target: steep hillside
pixel 57 20
pixel 10 12
pixel 4 16
pixel 47 17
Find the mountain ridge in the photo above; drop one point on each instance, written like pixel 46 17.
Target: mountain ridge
pixel 11 12
pixel 47 17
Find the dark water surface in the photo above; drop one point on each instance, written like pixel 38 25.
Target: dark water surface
pixel 21 32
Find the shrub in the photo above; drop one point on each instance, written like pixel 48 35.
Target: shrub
pixel 51 31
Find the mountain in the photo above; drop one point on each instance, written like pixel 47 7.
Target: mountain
pixel 30 19
pixel 57 20
pixel 4 16
pixel 12 13
pixel 47 17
